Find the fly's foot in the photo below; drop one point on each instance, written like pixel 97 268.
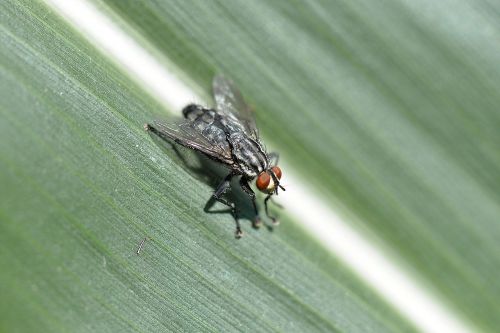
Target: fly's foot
pixel 257 223
pixel 238 234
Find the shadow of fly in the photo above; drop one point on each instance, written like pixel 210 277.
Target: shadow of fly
pixel 227 134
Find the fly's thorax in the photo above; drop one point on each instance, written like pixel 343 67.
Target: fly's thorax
pixel 248 154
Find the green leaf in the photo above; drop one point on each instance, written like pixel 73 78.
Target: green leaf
pixel 390 107
pixel 82 184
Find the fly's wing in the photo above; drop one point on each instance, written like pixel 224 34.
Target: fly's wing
pixel 184 134
pixel 229 102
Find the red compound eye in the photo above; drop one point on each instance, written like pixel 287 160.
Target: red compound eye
pixel 277 171
pixel 263 181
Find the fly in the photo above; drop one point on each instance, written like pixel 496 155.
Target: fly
pixel 228 135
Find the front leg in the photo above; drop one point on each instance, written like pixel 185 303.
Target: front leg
pixel 273 219
pixel 219 192
pixel 248 190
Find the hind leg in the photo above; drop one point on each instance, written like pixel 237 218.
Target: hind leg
pixel 219 192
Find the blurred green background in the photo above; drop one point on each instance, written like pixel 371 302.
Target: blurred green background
pixel 388 109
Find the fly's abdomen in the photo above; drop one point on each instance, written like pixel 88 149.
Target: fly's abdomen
pixel 203 121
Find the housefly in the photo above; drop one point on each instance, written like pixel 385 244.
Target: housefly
pixel 227 134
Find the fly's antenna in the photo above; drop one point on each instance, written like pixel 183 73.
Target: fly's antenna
pixel 277 182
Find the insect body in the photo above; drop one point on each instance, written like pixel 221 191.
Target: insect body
pixel 227 134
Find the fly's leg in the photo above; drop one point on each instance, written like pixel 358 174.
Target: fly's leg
pixel 248 190
pixel 274 157
pixel 219 192
pixel 274 219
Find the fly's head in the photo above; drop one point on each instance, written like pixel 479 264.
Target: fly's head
pixel 268 180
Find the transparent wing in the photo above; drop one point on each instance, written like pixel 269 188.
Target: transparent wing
pixel 229 101
pixel 184 134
